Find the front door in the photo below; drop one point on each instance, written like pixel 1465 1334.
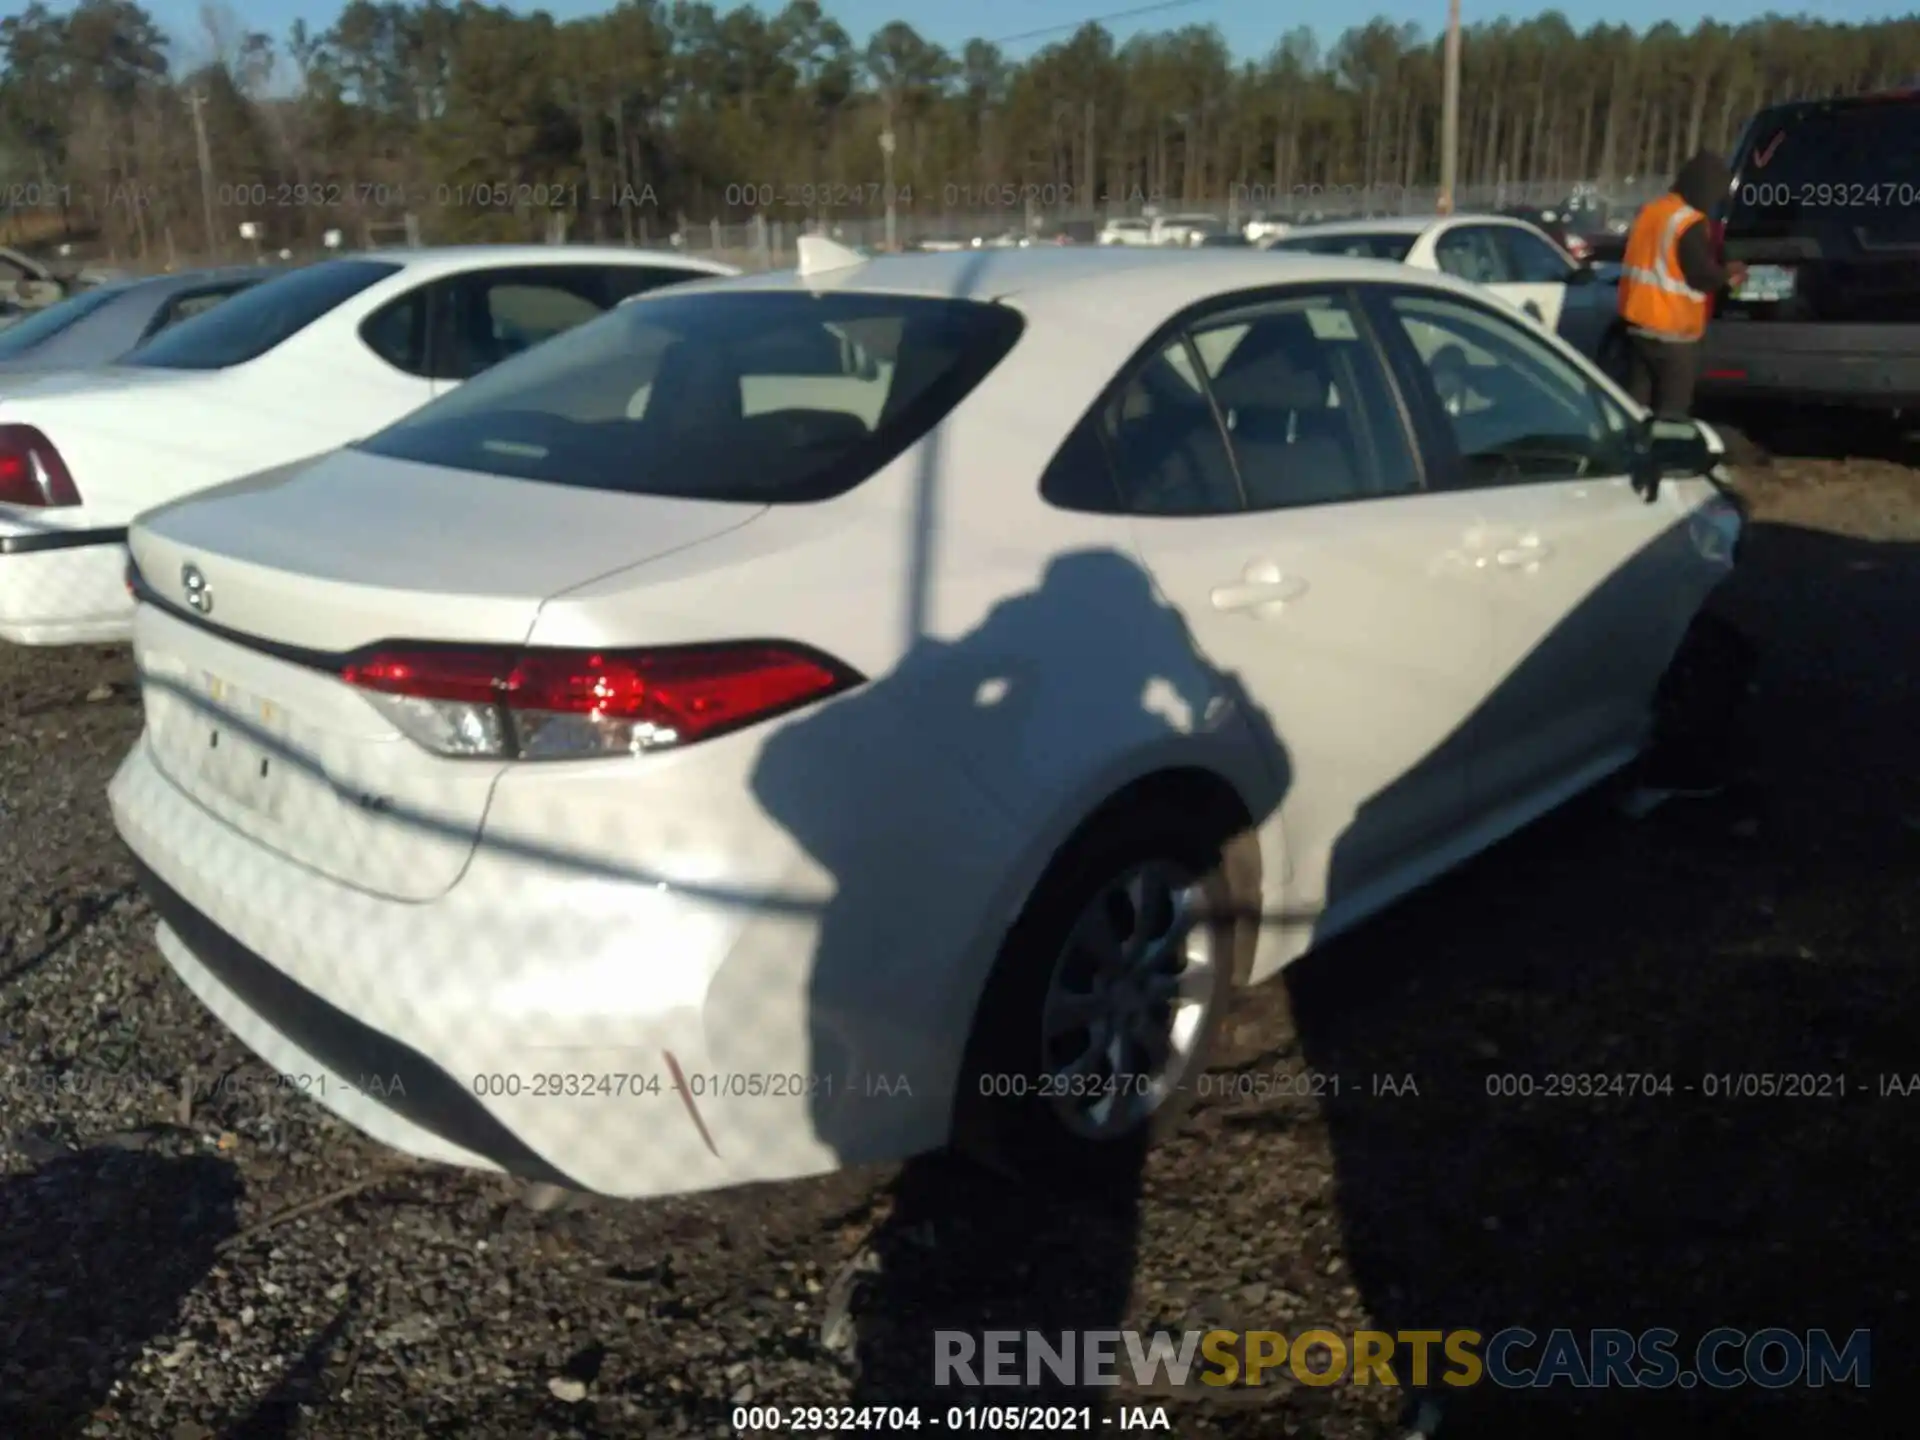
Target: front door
pixel 1478 253
pixel 1583 573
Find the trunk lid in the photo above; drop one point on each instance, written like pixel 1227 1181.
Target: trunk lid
pixel 304 564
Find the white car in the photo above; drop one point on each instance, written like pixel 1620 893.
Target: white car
pixel 1515 260
pixel 1126 232
pixel 1182 229
pixel 1262 228
pixel 294 367
pixel 806 719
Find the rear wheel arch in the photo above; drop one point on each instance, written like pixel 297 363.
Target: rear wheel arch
pixel 1180 787
pixel 1199 813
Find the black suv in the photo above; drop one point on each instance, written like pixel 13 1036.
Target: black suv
pixel 1825 211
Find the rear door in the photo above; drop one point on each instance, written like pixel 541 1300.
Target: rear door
pixel 1825 211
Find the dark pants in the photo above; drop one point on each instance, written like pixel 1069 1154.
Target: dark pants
pixel 1660 375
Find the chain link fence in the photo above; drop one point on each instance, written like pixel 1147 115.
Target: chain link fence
pixel 765 239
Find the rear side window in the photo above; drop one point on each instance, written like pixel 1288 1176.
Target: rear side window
pixel 249 325
pixel 1367 247
pixel 29 334
pixel 762 397
pixel 190 303
pixel 1852 169
pixel 485 317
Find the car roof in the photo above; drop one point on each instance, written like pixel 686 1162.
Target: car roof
pixel 453 259
pixel 1402 224
pixel 1160 281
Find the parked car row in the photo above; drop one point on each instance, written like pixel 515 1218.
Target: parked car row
pixel 835 713
pixel 1513 258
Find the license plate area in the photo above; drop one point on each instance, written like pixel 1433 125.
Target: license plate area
pixel 1765 285
pixel 242 752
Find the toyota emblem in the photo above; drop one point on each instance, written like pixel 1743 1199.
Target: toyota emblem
pixel 199 593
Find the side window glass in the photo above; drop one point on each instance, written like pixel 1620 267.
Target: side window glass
pixel 524 315
pixel 1170 456
pixel 185 307
pixel 1080 476
pixel 624 281
pixel 1309 412
pixel 1517 410
pixel 1467 252
pixel 397 332
pixel 482 319
pixel 1532 260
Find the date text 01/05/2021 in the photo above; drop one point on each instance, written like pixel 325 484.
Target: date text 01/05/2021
pixel 732 1084
pixel 961 1419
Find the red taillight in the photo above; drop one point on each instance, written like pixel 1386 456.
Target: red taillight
pixel 31 470
pixel 474 677
pixel 569 704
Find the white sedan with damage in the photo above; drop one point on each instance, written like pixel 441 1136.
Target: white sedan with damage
pixel 814 718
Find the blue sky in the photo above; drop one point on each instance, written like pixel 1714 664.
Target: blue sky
pixel 1250 26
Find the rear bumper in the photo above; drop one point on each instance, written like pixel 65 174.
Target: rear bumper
pixel 593 1030
pixel 1877 367
pixel 64 587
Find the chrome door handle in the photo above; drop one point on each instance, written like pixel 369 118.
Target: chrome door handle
pixel 1525 555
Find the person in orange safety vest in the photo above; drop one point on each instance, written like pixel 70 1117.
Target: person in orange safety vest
pixel 1667 282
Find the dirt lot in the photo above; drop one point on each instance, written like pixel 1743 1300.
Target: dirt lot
pixel 185 1252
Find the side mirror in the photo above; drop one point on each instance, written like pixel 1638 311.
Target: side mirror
pixel 1674 450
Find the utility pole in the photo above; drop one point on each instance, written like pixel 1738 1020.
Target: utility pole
pixel 886 174
pixel 1450 111
pixel 195 100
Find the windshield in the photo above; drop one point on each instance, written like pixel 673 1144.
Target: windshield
pixel 35 330
pixel 1369 246
pixel 253 322
pixel 1853 170
pixel 763 397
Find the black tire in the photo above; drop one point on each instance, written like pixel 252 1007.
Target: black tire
pixel 1003 1116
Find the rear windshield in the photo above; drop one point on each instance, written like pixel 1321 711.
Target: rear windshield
pixel 760 396
pixel 252 323
pixel 1855 169
pixel 1371 247
pixel 34 331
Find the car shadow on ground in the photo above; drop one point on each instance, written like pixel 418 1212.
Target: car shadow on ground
pixel 1582 1008
pixel 100 1249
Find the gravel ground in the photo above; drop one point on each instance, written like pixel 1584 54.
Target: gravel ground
pixel 188 1252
